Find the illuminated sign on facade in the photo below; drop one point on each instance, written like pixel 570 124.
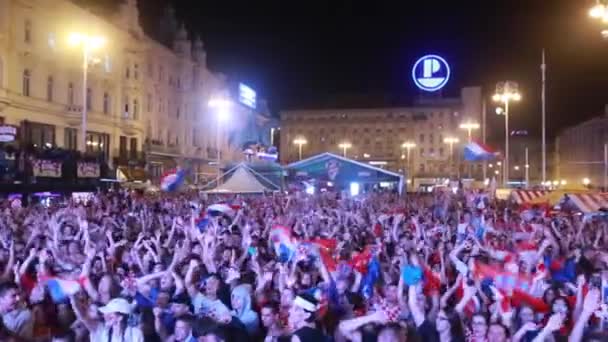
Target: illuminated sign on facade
pixel 431 73
pixel 247 96
pixel 7 133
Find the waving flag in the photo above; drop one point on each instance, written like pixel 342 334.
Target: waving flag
pixel 60 289
pixel 503 280
pixel 172 180
pixel 221 209
pixel 283 243
pixel 202 222
pixel 371 277
pixel 475 151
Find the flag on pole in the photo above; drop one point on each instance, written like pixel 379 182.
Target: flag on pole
pixel 283 243
pixel 172 180
pixel 475 151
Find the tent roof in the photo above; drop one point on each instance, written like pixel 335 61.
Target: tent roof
pixel 328 155
pixel 241 181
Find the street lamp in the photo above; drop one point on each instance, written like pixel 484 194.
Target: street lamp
pixel 88 44
pixel 221 107
pixel 408 145
pixel 451 141
pixel 345 146
pixel 469 126
pixel 586 181
pixel 300 142
pixel 506 92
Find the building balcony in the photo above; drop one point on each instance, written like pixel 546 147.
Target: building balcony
pixel 159 148
pixel 129 158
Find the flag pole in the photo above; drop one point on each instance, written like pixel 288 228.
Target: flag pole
pixel 543 68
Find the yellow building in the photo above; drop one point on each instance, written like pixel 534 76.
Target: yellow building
pixel 142 96
pixel 377 135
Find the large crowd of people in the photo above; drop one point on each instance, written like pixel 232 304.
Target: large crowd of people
pixel 296 267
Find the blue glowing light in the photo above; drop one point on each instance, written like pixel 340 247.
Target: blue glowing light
pixel 431 73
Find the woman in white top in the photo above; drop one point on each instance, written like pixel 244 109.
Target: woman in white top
pixel 114 326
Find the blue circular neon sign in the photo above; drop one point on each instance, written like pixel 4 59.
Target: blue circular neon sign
pixel 431 73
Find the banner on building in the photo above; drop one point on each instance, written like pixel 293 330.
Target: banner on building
pixel 46 168
pixel 88 170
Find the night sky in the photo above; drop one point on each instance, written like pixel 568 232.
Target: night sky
pixel 307 54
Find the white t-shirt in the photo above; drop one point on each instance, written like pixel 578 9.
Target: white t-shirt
pixel 131 334
pixel 204 305
pixel 20 322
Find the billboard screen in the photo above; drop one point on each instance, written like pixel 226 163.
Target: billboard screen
pixel 247 96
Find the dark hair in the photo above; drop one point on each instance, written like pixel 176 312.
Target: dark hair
pixel 456 330
pixel 189 319
pixel 67 335
pixel 309 298
pixel 272 305
pixel 7 286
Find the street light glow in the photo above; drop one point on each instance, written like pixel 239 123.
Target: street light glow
pixel 300 141
pixel 408 144
pixel 499 110
pixel 469 125
pixel 597 11
pixel 451 140
pixel 88 42
pixel 345 145
pixel 586 181
pixel 516 168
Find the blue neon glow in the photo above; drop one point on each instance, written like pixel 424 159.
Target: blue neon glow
pixel 431 73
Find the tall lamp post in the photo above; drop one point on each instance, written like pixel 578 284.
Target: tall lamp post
pixel 221 107
pixel 300 142
pixel 408 146
pixel 345 146
pixel 88 44
pixel 506 92
pixel 451 141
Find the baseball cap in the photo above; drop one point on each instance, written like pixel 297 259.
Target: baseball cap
pixel 117 305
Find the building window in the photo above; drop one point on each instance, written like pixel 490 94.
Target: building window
pixel 50 83
pixel 106 103
pixel 71 94
pixel 421 138
pixel 421 168
pixel 26 82
pixel 160 73
pixel 441 151
pixel 135 109
pixel 70 137
pixel 133 148
pixel 40 135
pixel 98 143
pixel 128 72
pixel 89 99
pixel 149 102
pixel 126 109
pixel 431 141
pixel 421 152
pixel 27 32
pixel 150 70
pixel 122 146
pixel 136 71
pixel 52 41
pixel 1 74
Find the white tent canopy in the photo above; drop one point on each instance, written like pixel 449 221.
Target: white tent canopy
pixel 241 181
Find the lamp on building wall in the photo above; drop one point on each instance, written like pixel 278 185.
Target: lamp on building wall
pixel 345 146
pixel 88 44
pixel 451 141
pixel 300 142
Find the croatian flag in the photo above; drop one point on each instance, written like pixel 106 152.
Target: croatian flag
pixel 60 289
pixel 222 209
pixel 475 151
pixel 283 243
pixel 172 180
